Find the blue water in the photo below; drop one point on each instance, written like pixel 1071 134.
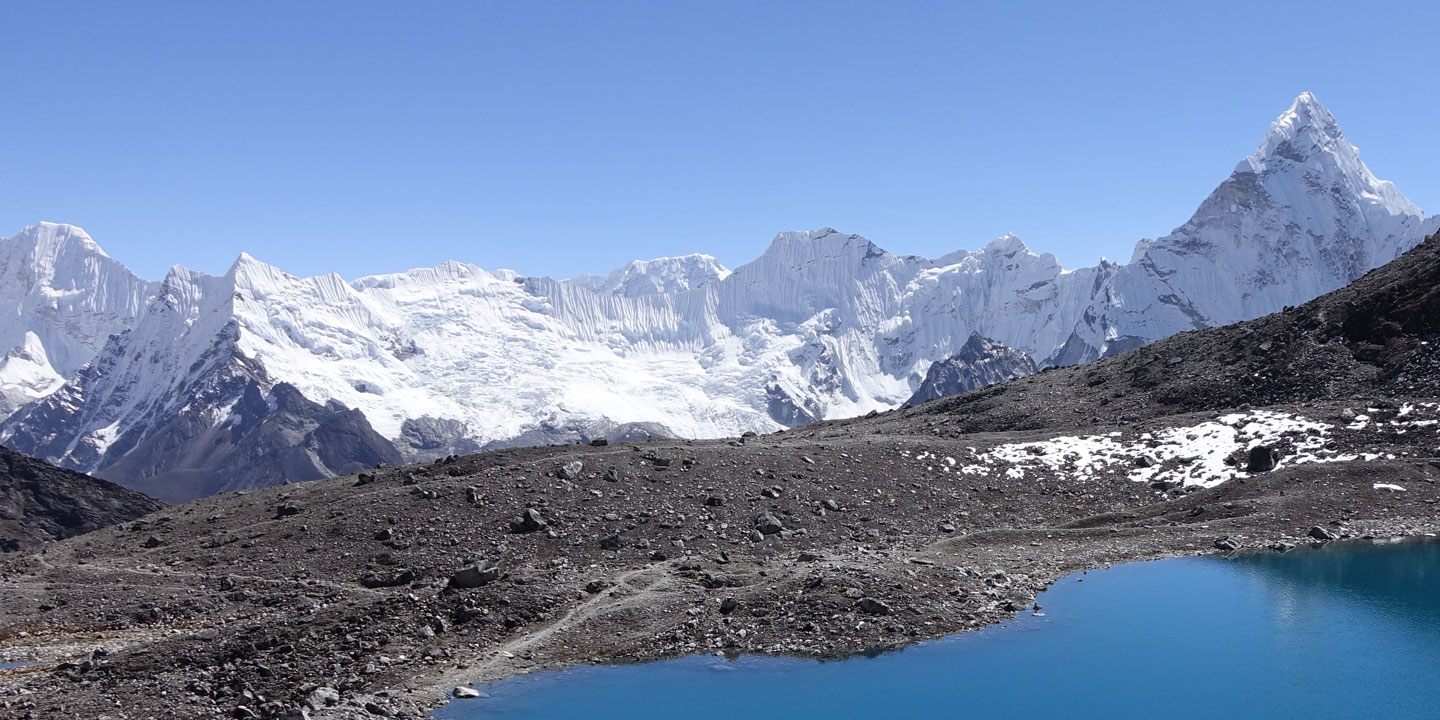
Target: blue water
pixel 1349 632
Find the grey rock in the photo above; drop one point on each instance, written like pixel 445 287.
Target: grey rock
pixel 477 575
pixel 530 521
pixel 767 524
pixel 871 606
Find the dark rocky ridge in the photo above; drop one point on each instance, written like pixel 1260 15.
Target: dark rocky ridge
pixel 282 438
pixel 981 362
pixel 375 594
pixel 41 503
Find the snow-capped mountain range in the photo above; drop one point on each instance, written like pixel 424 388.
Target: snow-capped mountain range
pixel 822 325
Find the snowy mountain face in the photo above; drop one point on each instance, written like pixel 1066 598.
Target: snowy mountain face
pixel 822 325
pixel 1298 218
pixel 176 408
pixel 980 363
pixel 61 296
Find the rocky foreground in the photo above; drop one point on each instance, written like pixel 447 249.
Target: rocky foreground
pixel 377 594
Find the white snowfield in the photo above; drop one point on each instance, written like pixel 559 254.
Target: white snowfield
pixel 822 325
pixel 1205 454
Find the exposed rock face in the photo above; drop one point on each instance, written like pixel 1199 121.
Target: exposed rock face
pixel 40 502
pixel 980 362
pixel 276 437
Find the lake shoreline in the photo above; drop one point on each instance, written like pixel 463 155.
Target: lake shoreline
pixel 495 672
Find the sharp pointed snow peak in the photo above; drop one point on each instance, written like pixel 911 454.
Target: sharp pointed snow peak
pixel 1302 132
pixel 1007 244
pixel 1307 137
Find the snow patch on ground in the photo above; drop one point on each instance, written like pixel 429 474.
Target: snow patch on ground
pixel 1205 454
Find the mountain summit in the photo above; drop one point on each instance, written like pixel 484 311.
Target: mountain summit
pixel 822 325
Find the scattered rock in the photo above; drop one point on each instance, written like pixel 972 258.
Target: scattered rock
pixel 571 470
pixel 404 577
pixel 1321 534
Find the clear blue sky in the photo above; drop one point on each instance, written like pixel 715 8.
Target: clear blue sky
pixel 559 138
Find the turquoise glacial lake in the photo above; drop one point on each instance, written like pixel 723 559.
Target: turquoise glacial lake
pixel 1341 632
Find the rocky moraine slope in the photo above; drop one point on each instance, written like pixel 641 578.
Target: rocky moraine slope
pixel 374 594
pixel 40 503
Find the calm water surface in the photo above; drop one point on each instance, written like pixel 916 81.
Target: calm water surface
pixel 1350 632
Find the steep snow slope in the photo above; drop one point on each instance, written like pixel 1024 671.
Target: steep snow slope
pixel 61 296
pixel 823 324
pixel 174 405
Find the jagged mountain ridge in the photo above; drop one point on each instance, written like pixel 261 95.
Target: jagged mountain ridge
pixel 822 325
pixel 176 408
pixel 981 362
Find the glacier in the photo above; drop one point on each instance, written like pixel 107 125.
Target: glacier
pixel 822 325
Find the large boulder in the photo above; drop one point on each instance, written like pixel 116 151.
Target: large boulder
pixel 767 524
pixel 529 521
pixel 1262 459
pixel 478 575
